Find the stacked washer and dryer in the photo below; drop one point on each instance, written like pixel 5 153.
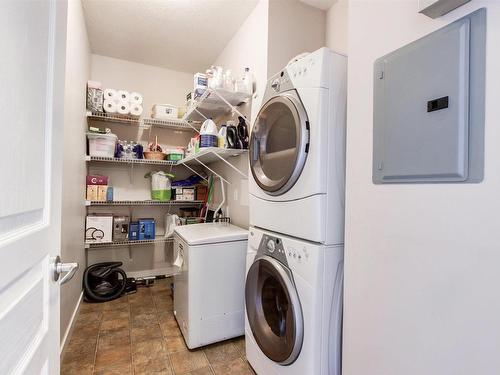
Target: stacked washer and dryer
pixel 294 281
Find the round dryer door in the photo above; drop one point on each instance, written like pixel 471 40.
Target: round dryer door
pixel 279 143
pixel 273 310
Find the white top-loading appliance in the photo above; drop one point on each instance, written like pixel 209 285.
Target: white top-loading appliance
pixel 293 298
pixel 208 290
pixel 297 150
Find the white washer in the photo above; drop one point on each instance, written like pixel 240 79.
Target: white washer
pixel 293 296
pixel 297 150
pixel 208 291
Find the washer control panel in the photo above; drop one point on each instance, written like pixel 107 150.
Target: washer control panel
pixel 274 247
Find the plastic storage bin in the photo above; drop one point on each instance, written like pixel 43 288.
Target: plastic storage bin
pixel 102 144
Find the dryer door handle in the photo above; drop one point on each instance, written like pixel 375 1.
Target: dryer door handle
pixel 255 149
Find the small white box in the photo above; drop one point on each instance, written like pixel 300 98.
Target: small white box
pixel 99 229
pixel 164 111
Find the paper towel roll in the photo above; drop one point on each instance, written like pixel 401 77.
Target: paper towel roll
pixel 123 95
pixel 179 259
pixel 110 106
pixel 136 98
pixel 135 109
pixel 111 94
pixel 123 108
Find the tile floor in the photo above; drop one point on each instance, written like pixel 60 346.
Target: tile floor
pixel 138 334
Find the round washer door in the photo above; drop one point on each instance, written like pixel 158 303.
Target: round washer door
pixel 279 144
pixel 273 310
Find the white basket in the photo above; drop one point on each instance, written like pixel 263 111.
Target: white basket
pixel 102 144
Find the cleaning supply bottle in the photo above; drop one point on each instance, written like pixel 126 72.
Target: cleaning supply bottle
pixel 247 79
pixel 222 137
pixel 242 132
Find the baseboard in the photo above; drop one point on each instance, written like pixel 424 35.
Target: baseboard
pixel 69 329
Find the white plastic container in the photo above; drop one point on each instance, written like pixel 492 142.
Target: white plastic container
pixel 102 144
pixel 164 111
pixel 222 137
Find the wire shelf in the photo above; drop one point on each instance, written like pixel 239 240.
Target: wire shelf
pixel 129 161
pixel 128 243
pixel 174 124
pixel 211 154
pixel 214 103
pixel 144 203
pixel 102 116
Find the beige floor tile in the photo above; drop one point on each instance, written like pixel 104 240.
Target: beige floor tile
pixel 85 331
pixel 90 307
pixel 76 368
pixel 170 329
pixel 187 361
pixel 148 347
pixel 240 343
pixel 81 349
pixel 123 369
pixel 222 352
pixel 112 339
pixel 142 309
pixel 116 304
pixel 90 316
pixel 115 325
pixel 118 314
pixel 165 316
pixel 235 367
pixel 143 320
pixel 175 344
pixel 153 365
pixel 117 356
pixel 201 371
pixel 152 331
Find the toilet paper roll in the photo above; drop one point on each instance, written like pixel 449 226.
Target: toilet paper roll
pixel 110 106
pixel 123 108
pixel 123 95
pixel 110 94
pixel 136 98
pixel 135 109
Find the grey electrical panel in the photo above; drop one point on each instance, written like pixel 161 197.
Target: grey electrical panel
pixel 428 120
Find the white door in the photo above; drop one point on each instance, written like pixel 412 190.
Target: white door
pixel 32 63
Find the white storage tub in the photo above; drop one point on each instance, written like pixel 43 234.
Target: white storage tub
pixel 165 111
pixel 102 144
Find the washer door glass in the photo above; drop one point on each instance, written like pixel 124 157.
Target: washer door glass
pixel 279 144
pixel 273 310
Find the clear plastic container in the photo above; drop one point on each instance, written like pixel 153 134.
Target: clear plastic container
pixel 102 145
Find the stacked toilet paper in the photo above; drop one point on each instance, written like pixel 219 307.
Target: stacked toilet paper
pixel 122 102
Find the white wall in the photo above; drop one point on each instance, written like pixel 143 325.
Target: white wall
pixel 158 85
pixel 294 28
pixel 248 48
pixel 421 261
pixel 74 171
pixel 336 26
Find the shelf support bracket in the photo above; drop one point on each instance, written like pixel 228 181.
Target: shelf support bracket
pixel 211 170
pixel 195 172
pixel 232 166
pixel 233 108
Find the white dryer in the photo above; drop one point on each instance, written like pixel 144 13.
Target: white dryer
pixel 293 296
pixel 297 150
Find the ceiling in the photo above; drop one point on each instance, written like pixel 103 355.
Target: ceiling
pixel 320 4
pixel 184 35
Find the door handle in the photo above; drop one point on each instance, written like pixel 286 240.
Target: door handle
pixel 68 268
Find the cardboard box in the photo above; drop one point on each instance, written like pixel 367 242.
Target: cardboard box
pixel 102 191
pixel 147 229
pixel 95 179
pixel 99 229
pixel 91 192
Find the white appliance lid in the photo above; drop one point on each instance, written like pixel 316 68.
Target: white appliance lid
pixel 206 233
